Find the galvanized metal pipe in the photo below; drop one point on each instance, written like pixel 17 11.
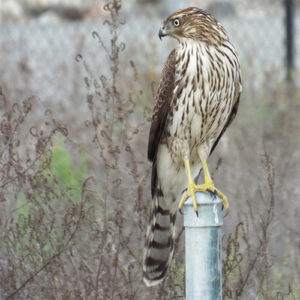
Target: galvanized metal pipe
pixel 203 248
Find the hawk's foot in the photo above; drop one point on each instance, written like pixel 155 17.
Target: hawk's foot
pixel 221 196
pixel 190 192
pixel 205 188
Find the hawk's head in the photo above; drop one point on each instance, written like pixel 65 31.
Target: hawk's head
pixel 193 23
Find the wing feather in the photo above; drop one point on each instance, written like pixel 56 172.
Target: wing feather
pixel 163 99
pixel 232 115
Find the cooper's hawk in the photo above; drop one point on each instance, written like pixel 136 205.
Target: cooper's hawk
pixel 197 99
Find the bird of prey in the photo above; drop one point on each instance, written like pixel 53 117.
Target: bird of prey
pixel 197 99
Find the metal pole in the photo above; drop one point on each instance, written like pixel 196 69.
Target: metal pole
pixel 289 29
pixel 203 248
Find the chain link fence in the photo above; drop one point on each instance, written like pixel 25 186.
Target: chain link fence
pixel 40 40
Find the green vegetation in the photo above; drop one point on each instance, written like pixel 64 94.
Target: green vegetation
pixel 68 174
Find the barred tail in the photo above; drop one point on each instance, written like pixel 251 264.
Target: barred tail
pixel 160 240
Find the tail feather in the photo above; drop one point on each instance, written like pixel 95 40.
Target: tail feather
pixel 160 240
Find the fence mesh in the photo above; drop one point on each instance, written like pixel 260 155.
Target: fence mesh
pixel 40 40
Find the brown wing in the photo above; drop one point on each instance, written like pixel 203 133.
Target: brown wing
pixel 163 101
pixel 232 114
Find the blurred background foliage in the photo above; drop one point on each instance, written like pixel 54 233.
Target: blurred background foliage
pixel 77 82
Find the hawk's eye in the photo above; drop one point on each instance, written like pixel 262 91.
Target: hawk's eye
pixel 176 22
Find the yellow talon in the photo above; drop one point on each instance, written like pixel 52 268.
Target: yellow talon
pixel 207 187
pixel 192 188
pixel 224 199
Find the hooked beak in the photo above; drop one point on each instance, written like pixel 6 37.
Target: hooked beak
pixel 162 32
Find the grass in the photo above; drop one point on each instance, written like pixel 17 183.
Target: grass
pixel 62 168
